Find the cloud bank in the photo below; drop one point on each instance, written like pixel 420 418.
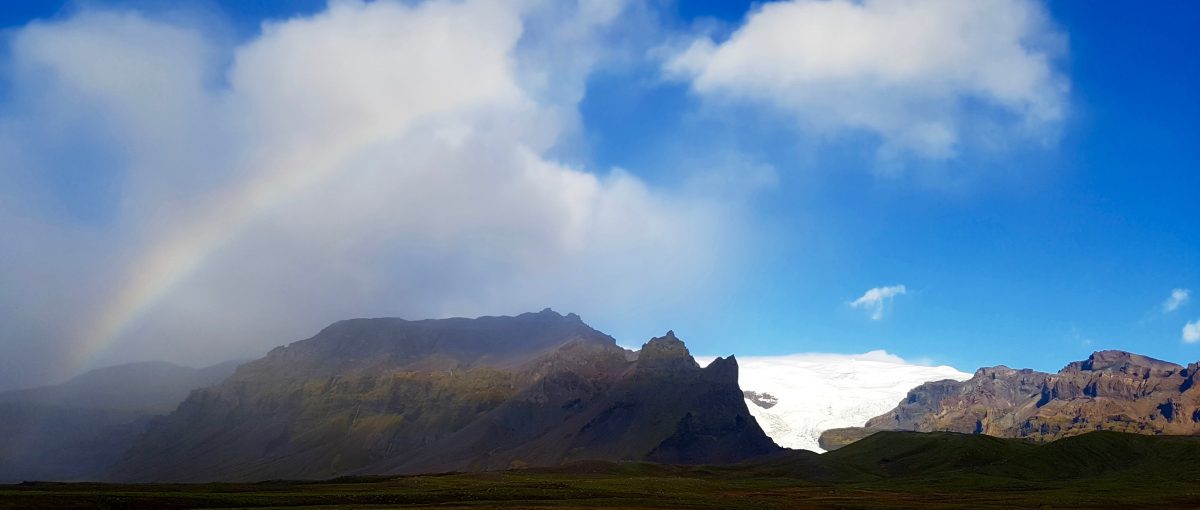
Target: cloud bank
pixel 876 299
pixel 924 76
pixel 179 197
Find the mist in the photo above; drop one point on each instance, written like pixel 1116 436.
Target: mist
pixel 170 194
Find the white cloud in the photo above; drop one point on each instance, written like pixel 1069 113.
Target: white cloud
pixel 1191 332
pixel 919 74
pixel 1178 298
pixel 876 299
pixel 820 391
pixel 374 159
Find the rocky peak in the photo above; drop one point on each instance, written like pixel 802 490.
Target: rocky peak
pixel 666 346
pixel 549 314
pixel 1121 362
pixel 998 371
pixel 723 370
pixel 667 351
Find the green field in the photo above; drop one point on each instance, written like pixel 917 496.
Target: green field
pixel 894 470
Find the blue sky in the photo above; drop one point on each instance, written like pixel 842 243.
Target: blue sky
pixel 744 215
pixel 1072 249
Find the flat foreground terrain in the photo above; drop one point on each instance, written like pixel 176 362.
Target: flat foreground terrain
pixel 619 491
pixel 885 470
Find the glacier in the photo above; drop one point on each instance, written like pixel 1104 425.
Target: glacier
pixel 814 392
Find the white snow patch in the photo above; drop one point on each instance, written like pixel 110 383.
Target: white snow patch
pixel 819 391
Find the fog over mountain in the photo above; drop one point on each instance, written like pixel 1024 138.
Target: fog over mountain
pixel 234 194
pixel 199 181
pixel 76 430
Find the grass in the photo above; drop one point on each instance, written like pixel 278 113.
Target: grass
pixel 890 471
pixel 515 489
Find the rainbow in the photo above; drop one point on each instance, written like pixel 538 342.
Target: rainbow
pixel 179 254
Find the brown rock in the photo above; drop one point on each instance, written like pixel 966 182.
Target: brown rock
pixel 1111 390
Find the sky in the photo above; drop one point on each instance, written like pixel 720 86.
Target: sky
pixel 959 183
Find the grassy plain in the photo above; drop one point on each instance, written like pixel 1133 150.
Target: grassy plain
pixel 890 471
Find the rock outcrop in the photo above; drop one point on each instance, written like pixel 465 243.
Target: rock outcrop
pixel 832 439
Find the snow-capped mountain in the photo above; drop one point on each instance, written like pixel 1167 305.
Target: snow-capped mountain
pixel 798 396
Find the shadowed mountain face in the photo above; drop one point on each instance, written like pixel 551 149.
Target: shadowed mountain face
pixel 1111 390
pixel 396 396
pixel 78 429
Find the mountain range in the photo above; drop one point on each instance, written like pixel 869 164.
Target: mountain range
pixel 394 396
pixel 1111 390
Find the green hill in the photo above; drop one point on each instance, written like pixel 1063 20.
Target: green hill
pixel 1095 455
pixel 898 454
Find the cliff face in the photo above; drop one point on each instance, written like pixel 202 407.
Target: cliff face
pixel 1111 390
pixel 387 396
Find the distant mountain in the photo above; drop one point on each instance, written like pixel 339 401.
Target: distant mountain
pixel 151 387
pixel 78 429
pixel 378 396
pixel 797 397
pixel 1111 390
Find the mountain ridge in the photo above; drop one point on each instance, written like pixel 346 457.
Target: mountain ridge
pixel 375 396
pixel 1110 390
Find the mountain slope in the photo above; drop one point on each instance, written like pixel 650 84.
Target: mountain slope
pixel 78 429
pixel 397 396
pixel 1111 390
